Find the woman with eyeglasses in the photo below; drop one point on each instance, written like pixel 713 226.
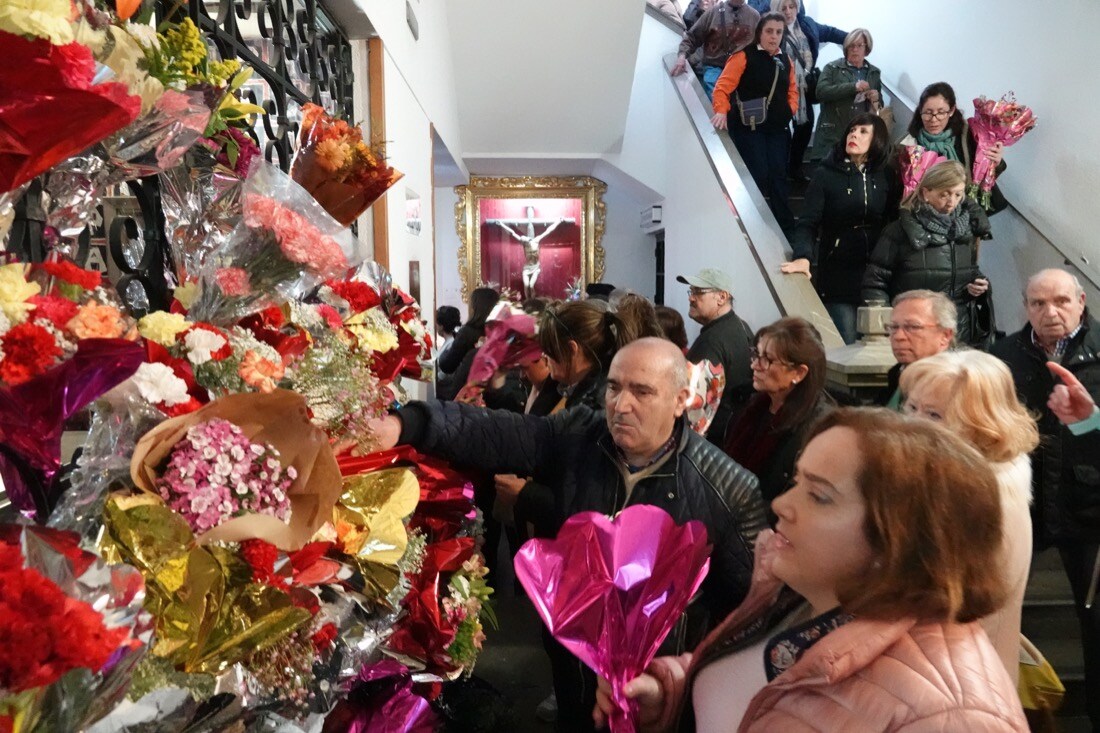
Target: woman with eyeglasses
pixel 888 534
pixel 788 374
pixel 934 246
pixel 851 197
pixel 973 395
pixel 938 125
pixel 848 86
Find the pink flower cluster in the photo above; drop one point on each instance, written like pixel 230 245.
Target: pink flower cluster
pixel 299 239
pixel 216 473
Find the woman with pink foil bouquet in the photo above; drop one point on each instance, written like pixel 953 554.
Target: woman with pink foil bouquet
pixel 886 535
pixel 938 126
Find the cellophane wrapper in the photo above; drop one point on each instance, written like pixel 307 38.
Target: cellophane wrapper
pixel 154 142
pixel 116 592
pixel 706 381
pixel 510 341
pixel 338 168
pixel 915 162
pixel 202 206
pixel 284 246
pixel 1002 121
pixel 611 590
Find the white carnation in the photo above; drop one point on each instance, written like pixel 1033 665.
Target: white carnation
pixel 201 345
pixel 158 384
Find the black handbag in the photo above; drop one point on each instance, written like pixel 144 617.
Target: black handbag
pixel 982 321
pixel 812 77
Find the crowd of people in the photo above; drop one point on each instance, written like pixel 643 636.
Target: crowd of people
pixel 858 237
pixel 869 563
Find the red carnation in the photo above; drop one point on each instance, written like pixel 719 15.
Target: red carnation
pixel 359 296
pixel 54 308
pixel 29 350
pixel 70 273
pixel 332 318
pixel 324 638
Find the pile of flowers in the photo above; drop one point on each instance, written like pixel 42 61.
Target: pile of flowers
pixel 216 473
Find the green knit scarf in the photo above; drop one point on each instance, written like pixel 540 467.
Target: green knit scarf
pixel 942 143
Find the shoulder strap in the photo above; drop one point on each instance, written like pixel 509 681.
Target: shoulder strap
pixel 775 80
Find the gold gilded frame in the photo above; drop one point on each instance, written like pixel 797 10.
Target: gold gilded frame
pixel 468 214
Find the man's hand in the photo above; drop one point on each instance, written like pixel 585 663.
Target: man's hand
pixel 387 431
pixel 862 86
pixel 796 267
pixel 1070 401
pixel 679 67
pixel 719 121
pixel 508 486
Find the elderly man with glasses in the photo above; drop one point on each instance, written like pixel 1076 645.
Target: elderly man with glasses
pixel 725 339
pixel 922 324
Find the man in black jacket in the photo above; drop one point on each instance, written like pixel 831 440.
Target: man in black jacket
pixel 1065 468
pixel 725 339
pixel 640 451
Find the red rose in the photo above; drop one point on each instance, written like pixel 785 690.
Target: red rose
pixel 29 350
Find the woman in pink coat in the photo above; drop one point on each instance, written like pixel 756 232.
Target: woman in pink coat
pixel 888 534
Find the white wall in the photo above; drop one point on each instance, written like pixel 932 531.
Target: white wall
pixel 991 47
pixel 449 286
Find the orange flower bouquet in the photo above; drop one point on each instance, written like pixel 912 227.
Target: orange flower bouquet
pixel 340 170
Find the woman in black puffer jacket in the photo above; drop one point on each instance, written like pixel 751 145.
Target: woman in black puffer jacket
pixel 933 245
pixel 853 194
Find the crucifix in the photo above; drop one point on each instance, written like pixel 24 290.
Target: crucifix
pixel 530 242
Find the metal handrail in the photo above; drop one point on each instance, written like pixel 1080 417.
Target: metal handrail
pixel 1072 257
pixel 793 294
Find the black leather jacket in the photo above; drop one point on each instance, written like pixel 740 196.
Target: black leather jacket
pixel 572 452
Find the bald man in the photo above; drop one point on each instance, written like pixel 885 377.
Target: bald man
pixel 639 451
pixel 1065 468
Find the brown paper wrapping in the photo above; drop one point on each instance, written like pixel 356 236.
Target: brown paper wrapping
pixel 280 418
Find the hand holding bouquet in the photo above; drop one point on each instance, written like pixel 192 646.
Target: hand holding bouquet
pixel 337 167
pixel 1004 121
pixel 915 162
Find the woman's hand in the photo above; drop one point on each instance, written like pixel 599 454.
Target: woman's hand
pixel 794 267
pixel 644 689
pixel 679 67
pixel 979 287
pixel 996 154
pixel 872 95
pixel 719 121
pixel 862 86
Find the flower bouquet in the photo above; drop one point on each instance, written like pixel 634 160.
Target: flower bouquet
pixel 232 486
pixel 337 167
pixel 284 245
pixel 72 630
pixel 611 590
pixel 1003 121
pixel 510 342
pixel 915 162
pixel 707 382
pixel 55 104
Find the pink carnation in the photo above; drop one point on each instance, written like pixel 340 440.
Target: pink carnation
pixel 299 239
pixel 233 281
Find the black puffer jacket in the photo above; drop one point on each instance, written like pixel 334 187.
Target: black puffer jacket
pixel 1065 468
pixel 844 213
pixel 573 453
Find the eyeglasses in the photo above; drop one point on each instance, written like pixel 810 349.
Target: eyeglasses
pixel 696 292
pixel 908 328
pixel 930 115
pixel 764 360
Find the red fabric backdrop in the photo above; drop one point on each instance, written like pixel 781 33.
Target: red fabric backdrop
pixel 559 254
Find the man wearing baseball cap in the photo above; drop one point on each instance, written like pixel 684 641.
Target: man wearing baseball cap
pixel 725 339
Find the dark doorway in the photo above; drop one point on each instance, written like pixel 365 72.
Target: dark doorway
pixel 659 256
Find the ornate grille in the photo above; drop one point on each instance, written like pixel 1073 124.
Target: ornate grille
pixel 299 55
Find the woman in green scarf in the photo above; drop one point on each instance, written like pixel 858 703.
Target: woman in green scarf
pixel 938 125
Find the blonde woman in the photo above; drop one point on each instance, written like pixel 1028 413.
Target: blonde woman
pixel 973 395
pixel 933 246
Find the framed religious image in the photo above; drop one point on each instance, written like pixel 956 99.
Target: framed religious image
pixel 533 236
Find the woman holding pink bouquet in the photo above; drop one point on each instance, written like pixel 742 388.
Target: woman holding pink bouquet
pixel 887 536
pixel 938 126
